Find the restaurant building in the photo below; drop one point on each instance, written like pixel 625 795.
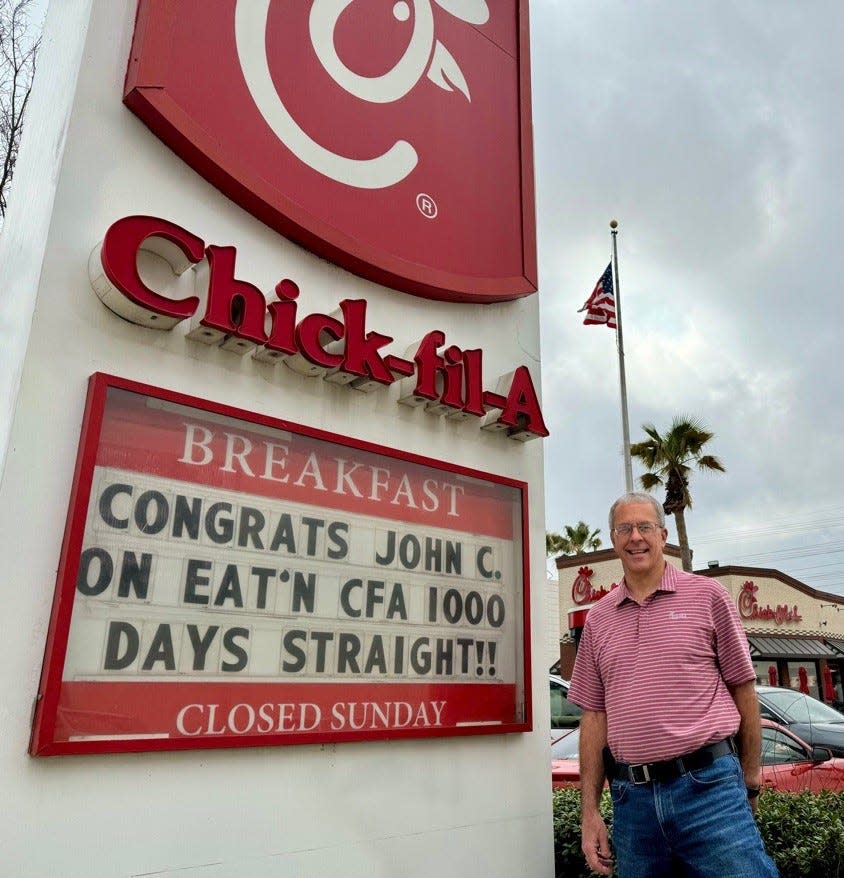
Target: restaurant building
pixel 795 632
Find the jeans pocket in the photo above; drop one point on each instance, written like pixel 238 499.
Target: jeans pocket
pixel 726 770
pixel 618 791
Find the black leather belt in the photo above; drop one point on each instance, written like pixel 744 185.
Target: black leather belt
pixel 669 769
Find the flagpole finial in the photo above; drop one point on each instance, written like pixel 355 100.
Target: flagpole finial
pixel 613 224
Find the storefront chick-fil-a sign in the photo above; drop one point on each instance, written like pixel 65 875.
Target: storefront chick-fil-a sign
pixel 750 608
pixel 230 580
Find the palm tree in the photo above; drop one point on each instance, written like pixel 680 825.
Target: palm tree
pixel 575 541
pixel 668 460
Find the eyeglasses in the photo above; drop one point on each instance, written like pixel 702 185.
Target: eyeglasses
pixel 645 528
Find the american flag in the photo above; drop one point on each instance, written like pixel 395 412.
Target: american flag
pixel 600 306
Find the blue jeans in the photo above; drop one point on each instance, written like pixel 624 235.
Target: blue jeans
pixel 702 819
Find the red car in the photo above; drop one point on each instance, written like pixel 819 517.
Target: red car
pixel 789 764
pixel 565 767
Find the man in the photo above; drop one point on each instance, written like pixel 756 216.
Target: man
pixel 664 676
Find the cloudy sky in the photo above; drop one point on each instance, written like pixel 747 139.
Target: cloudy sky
pixel 714 133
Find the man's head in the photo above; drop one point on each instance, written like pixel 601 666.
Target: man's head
pixel 640 551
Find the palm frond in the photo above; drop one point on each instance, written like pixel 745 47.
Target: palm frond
pixel 649 481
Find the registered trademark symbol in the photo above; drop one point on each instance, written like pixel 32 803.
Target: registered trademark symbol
pixel 427 206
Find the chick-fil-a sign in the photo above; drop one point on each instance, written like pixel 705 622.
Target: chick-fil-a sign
pixel 228 579
pixel 751 609
pixel 339 347
pixel 392 138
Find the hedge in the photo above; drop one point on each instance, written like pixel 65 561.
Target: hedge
pixel 803 833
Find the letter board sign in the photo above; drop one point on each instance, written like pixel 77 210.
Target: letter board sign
pixel 228 579
pixel 392 138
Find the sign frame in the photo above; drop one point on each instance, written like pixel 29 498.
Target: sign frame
pixel 44 741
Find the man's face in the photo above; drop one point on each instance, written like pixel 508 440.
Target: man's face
pixel 639 553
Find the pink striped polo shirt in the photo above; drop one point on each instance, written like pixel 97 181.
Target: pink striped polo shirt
pixel 660 669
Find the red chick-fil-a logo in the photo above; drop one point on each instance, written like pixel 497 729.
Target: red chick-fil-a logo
pixel 392 138
pixel 582 591
pixel 424 55
pixel 749 608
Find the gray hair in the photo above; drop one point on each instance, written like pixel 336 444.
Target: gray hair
pixel 638 497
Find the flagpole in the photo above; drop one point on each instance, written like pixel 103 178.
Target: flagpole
pixel 625 424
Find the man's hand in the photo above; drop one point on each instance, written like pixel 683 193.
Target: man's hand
pixel 595 840
pixel 595 843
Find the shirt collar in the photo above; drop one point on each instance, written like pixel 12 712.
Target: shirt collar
pixel 667 583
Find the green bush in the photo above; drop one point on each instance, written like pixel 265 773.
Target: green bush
pixel 803 833
pixel 568 857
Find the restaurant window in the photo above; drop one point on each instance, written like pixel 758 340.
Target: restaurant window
pixel 766 672
pixel 837 686
pixel 803 676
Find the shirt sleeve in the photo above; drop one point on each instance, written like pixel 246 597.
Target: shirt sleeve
pixel 731 645
pixel 586 689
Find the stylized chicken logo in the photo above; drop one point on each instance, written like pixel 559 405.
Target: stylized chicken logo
pixel 424 54
pixel 581 589
pixel 747 599
pixel 391 137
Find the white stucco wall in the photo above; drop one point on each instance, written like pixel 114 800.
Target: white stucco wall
pixel 444 807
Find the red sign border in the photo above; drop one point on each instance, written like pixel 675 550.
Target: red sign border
pixel 145 93
pixel 43 743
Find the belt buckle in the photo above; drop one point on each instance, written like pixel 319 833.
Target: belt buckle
pixel 646 775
